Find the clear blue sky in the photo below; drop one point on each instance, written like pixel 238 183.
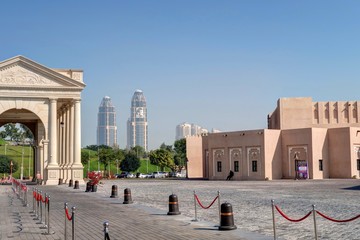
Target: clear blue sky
pixel 220 64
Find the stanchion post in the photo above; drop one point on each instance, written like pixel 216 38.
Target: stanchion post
pixel 34 191
pixel 48 216
pixel 195 220
pixel 315 229
pixel 65 229
pixel 219 205
pixel 37 204
pixel 25 195
pixel 40 202
pixel 45 205
pixel 106 231
pixel 73 222
pixel 273 216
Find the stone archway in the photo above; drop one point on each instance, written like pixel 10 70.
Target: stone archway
pixel 48 101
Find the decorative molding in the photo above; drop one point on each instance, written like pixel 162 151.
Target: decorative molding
pixel 235 155
pixel 296 153
pixel 17 75
pixel 253 154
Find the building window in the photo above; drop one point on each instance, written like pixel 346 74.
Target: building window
pixel 254 166
pixel 320 164
pixel 358 164
pixel 236 166
pixel 219 166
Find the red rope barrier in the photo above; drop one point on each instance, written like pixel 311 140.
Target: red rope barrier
pixel 42 199
pixel 34 194
pixel 67 214
pixel 338 221
pixel 197 199
pixel 39 197
pixel 292 220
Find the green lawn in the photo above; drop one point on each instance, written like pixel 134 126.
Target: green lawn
pixel 146 166
pixel 15 153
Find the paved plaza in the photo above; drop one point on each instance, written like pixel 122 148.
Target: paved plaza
pixel 147 217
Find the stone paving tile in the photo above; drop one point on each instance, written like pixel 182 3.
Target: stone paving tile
pixel 146 218
pixel 126 221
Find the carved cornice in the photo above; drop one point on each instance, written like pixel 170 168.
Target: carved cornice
pixel 20 70
pixel 19 76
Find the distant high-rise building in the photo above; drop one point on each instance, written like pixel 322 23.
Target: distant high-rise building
pixel 184 130
pixel 106 129
pixel 137 125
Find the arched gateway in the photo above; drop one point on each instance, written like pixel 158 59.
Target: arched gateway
pixel 47 101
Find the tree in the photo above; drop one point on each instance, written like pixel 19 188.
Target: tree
pixel 166 147
pixel 5 163
pixel 130 163
pixel 11 131
pixel 85 156
pixel 119 154
pixel 140 151
pixel 17 132
pixel 180 152
pixel 92 147
pixel 26 132
pixel 162 158
pixel 106 156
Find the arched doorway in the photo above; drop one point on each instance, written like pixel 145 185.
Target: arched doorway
pixel 47 101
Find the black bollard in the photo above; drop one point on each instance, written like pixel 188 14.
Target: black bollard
pixel 94 188
pixel 226 217
pixel 60 181
pixel 173 205
pixel 127 196
pixel 88 187
pixel 70 183
pixel 76 186
pixel 114 191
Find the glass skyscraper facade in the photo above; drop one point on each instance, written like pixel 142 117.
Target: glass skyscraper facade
pixel 137 125
pixel 106 129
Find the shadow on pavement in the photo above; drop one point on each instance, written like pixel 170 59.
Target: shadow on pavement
pixel 353 188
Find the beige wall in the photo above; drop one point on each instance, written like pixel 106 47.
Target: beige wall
pixel 295 112
pixel 320 151
pixel 194 155
pixel 272 154
pixel 299 129
pixel 339 151
pixel 231 147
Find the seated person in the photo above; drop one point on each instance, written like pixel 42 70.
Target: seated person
pixel 231 174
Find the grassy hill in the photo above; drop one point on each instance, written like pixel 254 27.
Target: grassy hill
pixel 145 167
pixel 16 154
pixel 25 154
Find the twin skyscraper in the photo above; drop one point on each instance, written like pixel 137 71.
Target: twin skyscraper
pixel 137 125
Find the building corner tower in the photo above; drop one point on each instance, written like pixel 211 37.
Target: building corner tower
pixel 106 129
pixel 137 125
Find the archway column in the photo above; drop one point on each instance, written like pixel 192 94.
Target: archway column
pixel 77 167
pixel 52 173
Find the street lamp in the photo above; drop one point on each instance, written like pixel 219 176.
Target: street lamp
pixel 29 159
pixel 98 161
pixel 22 163
pixel 117 166
pixel 89 162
